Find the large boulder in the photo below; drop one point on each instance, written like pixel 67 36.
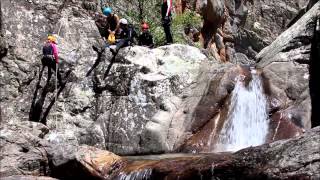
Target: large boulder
pixel 159 89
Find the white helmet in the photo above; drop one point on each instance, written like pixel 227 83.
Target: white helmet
pixel 123 21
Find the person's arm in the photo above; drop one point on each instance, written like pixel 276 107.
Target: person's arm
pixel 118 24
pixel 55 52
pixel 169 4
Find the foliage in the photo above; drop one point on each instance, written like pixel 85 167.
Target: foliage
pixel 138 11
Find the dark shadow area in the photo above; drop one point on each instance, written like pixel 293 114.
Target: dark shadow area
pixel 36 109
pixel 315 75
pixel 62 86
pixel 98 60
pixel 3 52
pixel 98 88
pixel 109 66
pixel 36 106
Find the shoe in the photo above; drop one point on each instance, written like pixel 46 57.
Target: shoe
pixel 95 48
pixel 113 50
pixel 39 86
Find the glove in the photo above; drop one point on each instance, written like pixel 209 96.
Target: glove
pixel 167 18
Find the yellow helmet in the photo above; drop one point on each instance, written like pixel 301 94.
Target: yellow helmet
pixel 52 39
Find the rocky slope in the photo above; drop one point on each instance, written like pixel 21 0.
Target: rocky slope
pixel 159 87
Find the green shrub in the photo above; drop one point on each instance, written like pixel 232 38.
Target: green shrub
pixel 151 14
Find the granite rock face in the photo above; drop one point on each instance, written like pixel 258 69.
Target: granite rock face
pixel 22 149
pixel 158 88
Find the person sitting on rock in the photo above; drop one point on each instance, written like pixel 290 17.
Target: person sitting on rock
pixel 50 57
pixel 145 38
pixel 113 25
pixel 124 37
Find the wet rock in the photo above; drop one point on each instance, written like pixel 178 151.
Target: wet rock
pixel 296 158
pixel 283 127
pixel 211 112
pixel 285 64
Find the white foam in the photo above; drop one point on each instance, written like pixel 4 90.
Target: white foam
pixel 247 122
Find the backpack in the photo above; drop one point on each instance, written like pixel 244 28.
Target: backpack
pixel 111 38
pixel 47 49
pixel 112 22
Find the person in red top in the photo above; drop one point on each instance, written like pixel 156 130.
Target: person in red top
pixel 166 19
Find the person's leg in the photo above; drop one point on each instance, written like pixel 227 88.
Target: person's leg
pixel 167 31
pixel 55 68
pixel 120 44
pixel 49 74
pixel 107 45
pixel 41 70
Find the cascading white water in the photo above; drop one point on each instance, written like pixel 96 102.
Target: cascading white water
pixel 136 175
pixel 247 121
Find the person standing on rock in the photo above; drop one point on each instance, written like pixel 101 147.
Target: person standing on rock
pixel 113 25
pixel 145 38
pixel 50 58
pixel 166 19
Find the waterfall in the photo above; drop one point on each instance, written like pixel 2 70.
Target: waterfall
pixel 247 120
pixel 136 175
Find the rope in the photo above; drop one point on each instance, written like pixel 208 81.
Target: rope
pixel 56 96
pixel 56 86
